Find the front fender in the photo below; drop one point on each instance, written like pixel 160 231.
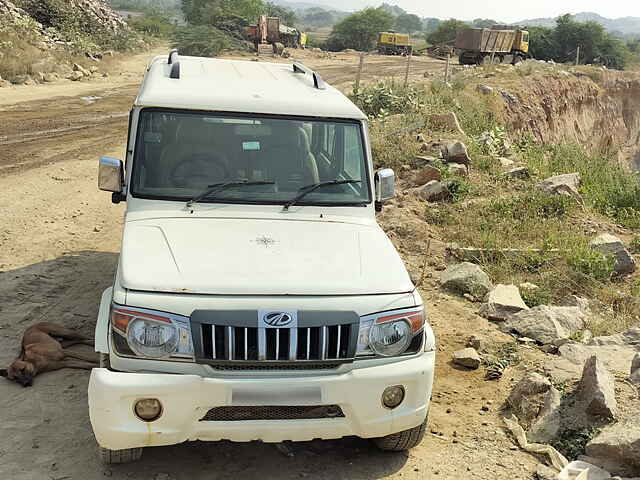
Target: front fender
pixel 102 324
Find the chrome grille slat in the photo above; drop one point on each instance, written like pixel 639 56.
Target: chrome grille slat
pixel 338 346
pixel 231 336
pixel 277 344
pixel 324 332
pixel 293 344
pixel 213 340
pixel 262 344
pixel 308 343
pixel 246 343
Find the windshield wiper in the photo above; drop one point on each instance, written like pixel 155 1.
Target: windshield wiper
pixel 304 191
pixel 218 187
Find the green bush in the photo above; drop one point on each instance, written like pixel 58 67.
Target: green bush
pixel 386 98
pixel 154 24
pixel 591 263
pixel 635 244
pixel 202 41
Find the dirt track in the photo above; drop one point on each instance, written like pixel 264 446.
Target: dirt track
pixel 59 239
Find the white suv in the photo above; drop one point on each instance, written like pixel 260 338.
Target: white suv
pixel 256 297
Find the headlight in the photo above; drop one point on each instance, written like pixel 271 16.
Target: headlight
pixel 151 334
pixel 390 334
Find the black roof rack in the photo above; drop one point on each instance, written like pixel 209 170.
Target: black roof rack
pixel 174 61
pixel 318 82
pixel 173 56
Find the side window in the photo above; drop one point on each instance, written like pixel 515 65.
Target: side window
pixel 353 152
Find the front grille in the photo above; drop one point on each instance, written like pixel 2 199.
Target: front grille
pixel 257 367
pixel 230 338
pixel 287 412
pixel 278 344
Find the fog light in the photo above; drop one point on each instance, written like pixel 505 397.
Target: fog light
pixel 393 396
pixel 148 409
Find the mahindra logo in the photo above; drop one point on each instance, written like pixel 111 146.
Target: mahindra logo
pixel 277 319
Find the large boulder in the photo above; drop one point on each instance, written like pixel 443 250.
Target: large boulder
pixel 566 184
pixel 528 397
pixel 447 121
pixel 597 389
pixel 613 246
pixel 546 324
pixel 455 152
pixel 426 174
pixel 435 191
pixel 502 301
pixel 466 278
pixel 546 426
pixel 468 358
pixel 619 443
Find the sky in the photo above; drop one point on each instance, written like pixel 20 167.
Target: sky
pixel 506 10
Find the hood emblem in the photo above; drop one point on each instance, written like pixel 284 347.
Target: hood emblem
pixel 277 319
pixel 265 241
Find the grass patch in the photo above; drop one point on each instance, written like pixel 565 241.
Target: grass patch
pixel 571 443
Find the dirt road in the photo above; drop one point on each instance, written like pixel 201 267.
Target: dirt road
pixel 59 239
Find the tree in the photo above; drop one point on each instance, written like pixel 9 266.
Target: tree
pixel 542 44
pixel 446 31
pixel 484 22
pixel 360 30
pixel 286 15
pixel 210 12
pixel 431 24
pixel 408 23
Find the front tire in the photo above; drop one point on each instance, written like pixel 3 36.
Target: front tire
pixel 401 441
pixel 112 457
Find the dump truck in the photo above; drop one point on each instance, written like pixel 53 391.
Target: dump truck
pixel 392 43
pixel 478 44
pixel 269 32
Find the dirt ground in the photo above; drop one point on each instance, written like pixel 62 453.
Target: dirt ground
pixel 59 238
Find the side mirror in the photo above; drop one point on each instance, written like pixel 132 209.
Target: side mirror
pixel 385 180
pixel 110 177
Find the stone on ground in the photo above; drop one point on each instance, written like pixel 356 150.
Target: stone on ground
pixel 502 301
pixel 612 245
pixel 448 121
pixel 619 443
pixel 467 357
pixel 466 278
pixel 635 369
pixel 546 324
pixel 455 152
pixel 458 169
pixel 546 426
pixel 485 89
pixel 425 175
pixel 435 191
pixel 519 172
pixel 566 184
pixel 528 397
pixel 575 470
pixel 597 389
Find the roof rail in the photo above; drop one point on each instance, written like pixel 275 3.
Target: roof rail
pixel 173 56
pixel 318 82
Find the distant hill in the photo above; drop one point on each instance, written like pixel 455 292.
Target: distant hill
pixel 325 4
pixel 627 26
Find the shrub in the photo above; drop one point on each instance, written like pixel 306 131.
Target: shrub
pixel 202 41
pixel 153 24
pixel 590 262
pixel 634 246
pixel 385 98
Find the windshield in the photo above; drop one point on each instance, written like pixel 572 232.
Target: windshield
pixel 179 155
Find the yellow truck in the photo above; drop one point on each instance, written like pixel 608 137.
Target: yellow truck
pixel 478 44
pixel 392 43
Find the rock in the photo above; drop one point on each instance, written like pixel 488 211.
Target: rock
pixel 613 246
pixel 475 342
pixel 597 389
pixel 528 397
pixel 447 121
pixel 81 69
pixel 39 77
pixel 51 77
pixel 529 286
pixel 458 169
pixel 630 338
pixel 546 426
pixel 575 301
pixel 546 324
pixel 519 172
pixel 421 138
pixel 635 369
pixel 75 76
pixel 468 358
pixel 426 175
pixel 573 355
pixel 575 470
pixel 455 152
pixel 435 191
pixel 501 302
pixel 505 162
pixel 485 89
pixel 619 443
pixel 466 278
pixel 23 80
pixel 421 160
pixel 93 69
pixel 4 83
pixel 566 184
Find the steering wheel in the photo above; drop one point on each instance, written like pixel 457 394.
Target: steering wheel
pixel 199 171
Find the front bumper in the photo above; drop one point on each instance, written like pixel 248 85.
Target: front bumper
pixel 187 398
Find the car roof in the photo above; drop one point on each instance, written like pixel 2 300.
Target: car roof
pixel 213 84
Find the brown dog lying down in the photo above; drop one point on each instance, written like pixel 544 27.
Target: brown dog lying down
pixel 41 352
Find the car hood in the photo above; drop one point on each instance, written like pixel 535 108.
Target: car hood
pixel 260 257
